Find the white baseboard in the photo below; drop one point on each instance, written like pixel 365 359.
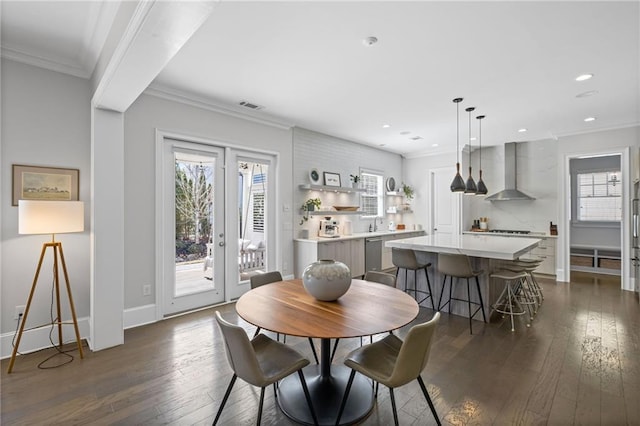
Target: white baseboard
pixel 37 339
pixel 140 315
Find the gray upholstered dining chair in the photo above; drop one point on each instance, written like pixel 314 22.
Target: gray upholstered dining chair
pixel 380 277
pixel 268 278
pixel 260 362
pixel 394 363
pixel 376 277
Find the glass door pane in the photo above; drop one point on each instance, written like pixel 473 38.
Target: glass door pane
pixel 253 199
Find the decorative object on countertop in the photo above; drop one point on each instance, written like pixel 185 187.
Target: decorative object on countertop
pixel 481 187
pixel 484 223
pixel 314 177
pixel 458 183
pixel 553 229
pixel 308 206
pixel 470 187
pixel 332 179
pixel 355 180
pixel 326 279
pixel 408 191
pixel 391 184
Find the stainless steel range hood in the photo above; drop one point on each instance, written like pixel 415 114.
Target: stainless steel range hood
pixel 510 191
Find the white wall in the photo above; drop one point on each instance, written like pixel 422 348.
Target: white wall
pixel 330 154
pixel 146 115
pixel 45 122
pixel 536 175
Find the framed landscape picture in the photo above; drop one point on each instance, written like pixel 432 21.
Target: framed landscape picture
pixel 44 183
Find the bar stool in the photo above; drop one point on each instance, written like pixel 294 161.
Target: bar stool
pixel 525 290
pixel 508 298
pixel 459 266
pixel 537 289
pixel 406 259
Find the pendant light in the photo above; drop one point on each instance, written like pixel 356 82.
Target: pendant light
pixel 470 188
pixel 482 188
pixel 458 183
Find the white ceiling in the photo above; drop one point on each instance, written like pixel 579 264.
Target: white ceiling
pixel 307 65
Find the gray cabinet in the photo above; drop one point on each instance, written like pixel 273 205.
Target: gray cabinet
pixel 350 252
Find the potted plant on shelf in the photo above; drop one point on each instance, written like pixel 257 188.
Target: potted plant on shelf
pixel 408 196
pixel 355 180
pixel 308 206
pixel 408 191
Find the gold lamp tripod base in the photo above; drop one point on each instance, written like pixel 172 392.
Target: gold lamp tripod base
pixel 57 253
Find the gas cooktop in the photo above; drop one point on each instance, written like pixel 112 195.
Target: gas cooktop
pixel 509 231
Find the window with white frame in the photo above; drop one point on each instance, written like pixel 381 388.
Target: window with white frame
pixel 372 200
pixel 599 196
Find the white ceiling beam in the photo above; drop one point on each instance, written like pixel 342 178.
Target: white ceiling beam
pixel 156 31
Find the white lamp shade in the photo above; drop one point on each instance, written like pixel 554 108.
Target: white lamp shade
pixel 50 217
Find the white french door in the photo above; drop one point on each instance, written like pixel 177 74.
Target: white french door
pixel 192 226
pixel 216 221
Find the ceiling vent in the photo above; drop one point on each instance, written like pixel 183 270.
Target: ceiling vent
pixel 250 105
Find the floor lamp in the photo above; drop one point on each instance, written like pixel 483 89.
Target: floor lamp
pixel 50 217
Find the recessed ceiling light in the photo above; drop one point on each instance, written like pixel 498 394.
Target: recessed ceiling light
pixel 405 132
pixel 382 144
pixel 386 126
pixel 588 119
pixel 522 130
pixel 472 138
pixel 584 77
pixel 586 94
pixel 434 145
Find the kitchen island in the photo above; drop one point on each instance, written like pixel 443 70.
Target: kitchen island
pixel 486 253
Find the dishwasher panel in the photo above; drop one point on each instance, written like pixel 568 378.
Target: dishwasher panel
pixel 372 254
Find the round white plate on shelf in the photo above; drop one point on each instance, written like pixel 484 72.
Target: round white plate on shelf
pixel 314 177
pixel 391 184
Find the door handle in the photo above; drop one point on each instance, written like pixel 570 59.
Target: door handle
pixel 221 243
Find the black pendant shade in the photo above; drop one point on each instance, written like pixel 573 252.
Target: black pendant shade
pixel 481 188
pixel 470 187
pixel 458 183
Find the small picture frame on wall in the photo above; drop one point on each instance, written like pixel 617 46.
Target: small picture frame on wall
pixel 44 184
pixel 332 179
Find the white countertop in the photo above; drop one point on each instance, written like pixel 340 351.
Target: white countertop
pixel 531 234
pixel 492 247
pixel 357 235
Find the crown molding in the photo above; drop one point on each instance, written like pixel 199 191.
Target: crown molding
pixel 42 62
pixel 209 104
pixel 557 136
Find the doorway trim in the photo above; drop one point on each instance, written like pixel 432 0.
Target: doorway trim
pixel 232 290
pixel 563 272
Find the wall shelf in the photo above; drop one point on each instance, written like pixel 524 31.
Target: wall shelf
pixel 333 212
pixel 602 260
pixel 324 188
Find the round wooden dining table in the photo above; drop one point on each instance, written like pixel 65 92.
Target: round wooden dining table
pixel 367 308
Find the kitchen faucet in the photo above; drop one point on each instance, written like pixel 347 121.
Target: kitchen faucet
pixel 375 224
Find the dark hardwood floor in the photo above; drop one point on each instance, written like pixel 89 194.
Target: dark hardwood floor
pixel 579 363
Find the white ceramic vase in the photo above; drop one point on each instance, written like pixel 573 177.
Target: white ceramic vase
pixel 326 280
